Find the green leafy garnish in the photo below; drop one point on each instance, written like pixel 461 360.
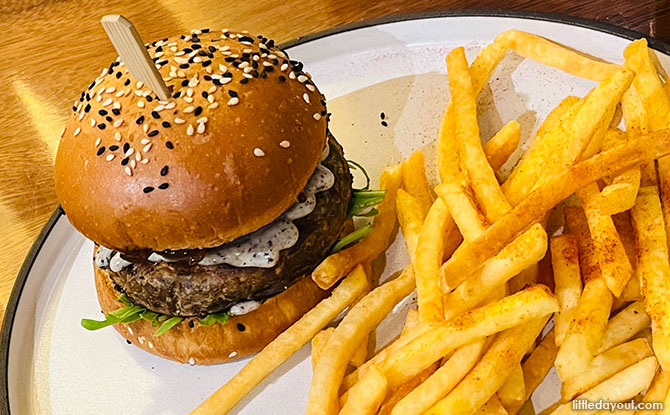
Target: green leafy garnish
pixel 355 166
pixel 354 236
pixel 220 318
pixel 125 314
pixel 363 201
pixel 167 325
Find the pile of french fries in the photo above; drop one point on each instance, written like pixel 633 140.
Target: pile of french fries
pixel 504 293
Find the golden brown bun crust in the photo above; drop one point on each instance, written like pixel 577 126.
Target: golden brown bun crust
pixel 240 173
pixel 216 343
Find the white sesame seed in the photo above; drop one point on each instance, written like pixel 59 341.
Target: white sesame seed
pixel 126 92
pixel 212 106
pixel 145 127
pixel 151 345
pixel 97 141
pixel 138 157
pixel 145 141
pixel 189 109
pixel 76 132
pixel 191 361
pixel 139 84
pixel 62 132
pixel 172 44
pixel 285 144
pixel 119 94
pixel 208 69
pixel 133 164
pixel 189 92
pixel 129 152
pixel 109 157
pixel 179 121
pixel 210 98
pixel 235 55
pixel 117 105
pixel 258 152
pixel 216 76
pixel 128 171
pixel 266 63
pixel 138 92
pixel 170 105
pixel 197 59
pixel 256 57
pixel 227 53
pixel 316 116
pixel 223 48
pixel 202 119
pixel 201 128
pixel 310 87
pixel 101 90
pixel 163 102
pixel 302 78
pixel 272 56
pixel 107 102
pixel 118 122
pixel 262 45
pixel 225 80
pixel 212 89
pixel 147 148
pixel 146 93
pixel 305 97
pixel 98 98
pixel 158 54
pixel 248 69
pixel 140 104
pixel 92 122
pixel 173 49
pixel 159 108
pixel 232 354
pixel 188 99
pixel 222 67
pixel 193 82
pixel 103 73
pixel 247 75
pixel 234 101
pixel 189 130
pixel 110 90
pixel 117 136
pixel 246 43
pixel 141 339
pixel 181 74
pixel 247 50
pixel 243 65
pixel 180 53
pixel 291 75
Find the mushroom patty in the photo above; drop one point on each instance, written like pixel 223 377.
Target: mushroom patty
pixel 184 288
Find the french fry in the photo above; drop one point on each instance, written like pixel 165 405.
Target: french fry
pixel 401 391
pixel 620 194
pixel 545 51
pixel 341 263
pixel 512 393
pixel 410 219
pixel 575 219
pixel 656 392
pixel 538 363
pixel 606 365
pixel 569 103
pixel 429 253
pixel 447 149
pixel 652 268
pixel 318 342
pixel 367 395
pixel 415 182
pixel 664 192
pixel 527 277
pixel 608 249
pixel 492 407
pixel 526 249
pixel 471 255
pixel 463 209
pixel 620 387
pixel 472 158
pixel 567 281
pixel 280 349
pixel 502 145
pixel 529 304
pixel 623 326
pixel 359 321
pixel 626 233
pixel 585 330
pixel 412 321
pixel 436 386
pixel 491 371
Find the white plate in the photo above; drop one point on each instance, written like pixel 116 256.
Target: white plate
pixel 52 365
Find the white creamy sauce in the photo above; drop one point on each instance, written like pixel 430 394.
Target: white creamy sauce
pixel 258 249
pixel 244 307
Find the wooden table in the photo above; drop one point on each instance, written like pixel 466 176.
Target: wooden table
pixel 51 49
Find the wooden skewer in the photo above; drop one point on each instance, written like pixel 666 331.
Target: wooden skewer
pixel 130 47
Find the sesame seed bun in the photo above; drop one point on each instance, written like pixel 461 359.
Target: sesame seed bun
pixel 225 155
pixel 217 343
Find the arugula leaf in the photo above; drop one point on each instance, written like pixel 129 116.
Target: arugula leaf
pixel 167 325
pixel 355 166
pixel 354 236
pixel 362 201
pixel 126 314
pixel 220 318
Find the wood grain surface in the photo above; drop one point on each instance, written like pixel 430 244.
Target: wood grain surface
pixel 51 49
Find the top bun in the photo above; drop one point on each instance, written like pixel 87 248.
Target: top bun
pixel 227 154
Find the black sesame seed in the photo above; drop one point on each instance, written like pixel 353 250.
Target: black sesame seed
pixel 232 93
pixel 126 147
pixel 113 148
pixel 216 82
pixel 155 114
pixel 118 75
pixel 191 324
pixel 109 119
pixel 102 112
pixel 206 63
pixel 269 68
pixel 187 50
pixel 191 59
pixel 169 145
pixel 207 78
pixel 140 120
pixel 202 53
pixel 88 97
pixel 270 43
pixel 100 151
pixel 164 170
pixel 176 94
pixel 153 133
pixel 382 115
pixel 204 94
pixel 163 62
pixel 184 65
pixel 127 82
pixel 110 71
pixel 254 74
pixel 102 126
pixel 124 161
pixel 74 108
pixel 166 124
pixel 282 78
pixel 229 59
pixel 87 108
pixel 163 186
pixel 149 98
pixel 198 111
pixel 236 64
pixel 116 111
pixel 227 75
pixel 184 82
pixel 91 85
pixel 159 49
pixel 148 189
pixel 246 39
pixel 241 327
pixel 254 64
pixel 244 81
pixel 128 341
pixel 196 45
pixel 385 124
pixel 212 49
pixel 264 75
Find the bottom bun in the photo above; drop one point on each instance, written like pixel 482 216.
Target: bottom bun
pixel 216 343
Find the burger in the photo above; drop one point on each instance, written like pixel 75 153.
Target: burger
pixel 210 209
